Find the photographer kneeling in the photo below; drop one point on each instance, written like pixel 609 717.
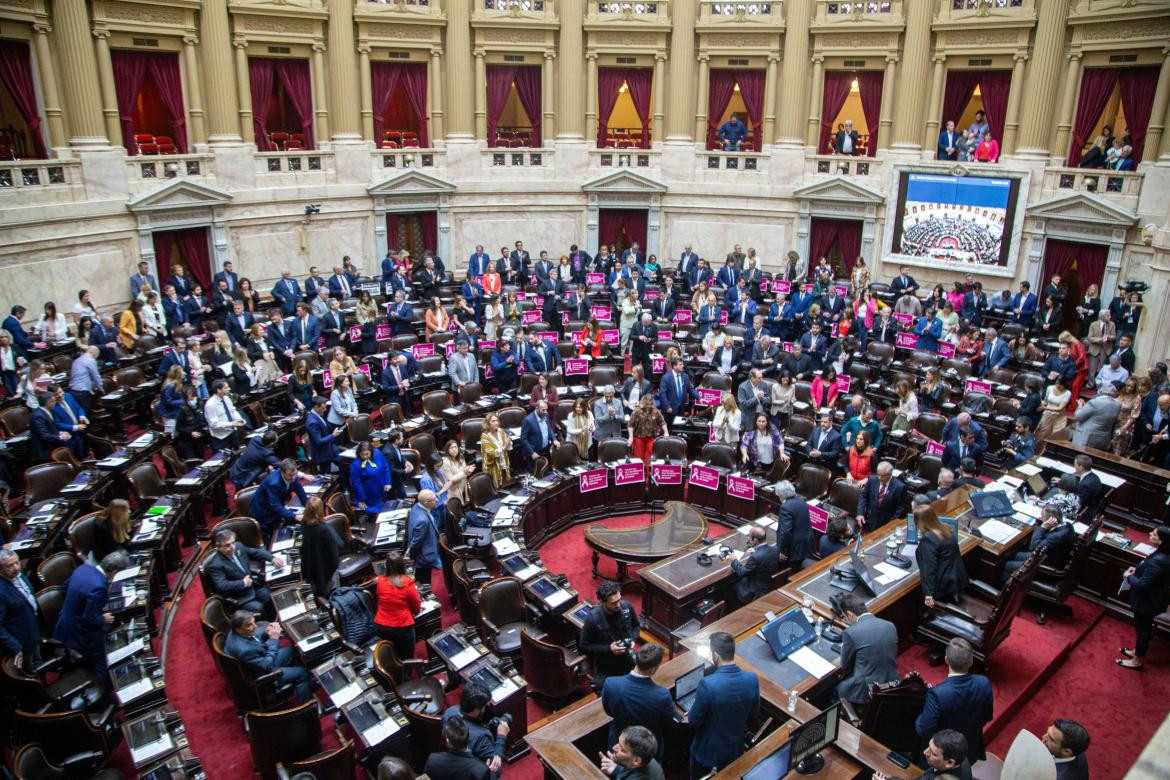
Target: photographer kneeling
pixel 486 733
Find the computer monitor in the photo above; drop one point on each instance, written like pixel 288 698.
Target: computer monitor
pixel 774 767
pixel 812 737
pixel 863 574
pixel 788 632
pixel 991 503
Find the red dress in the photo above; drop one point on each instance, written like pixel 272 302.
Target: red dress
pixel 1076 350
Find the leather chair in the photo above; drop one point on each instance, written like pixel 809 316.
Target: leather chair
pixel 311 358
pixel 860 373
pixel 249 692
pixel 704 616
pixel 718 454
pixel 45 481
pixel 338 762
pixel 600 376
pixel 423 444
pixel 55 685
pixel 925 476
pixel 56 569
pixel 778 470
pixel 175 465
pixel 435 402
pixel 355 566
pixel 716 381
pixel 65 455
pixel 358 427
pixel 477 570
pixel 471 431
pixel 564 456
pixel 246 529
pixel 390 413
pixel 539 466
pixel 83 740
pixel 470 393
pixel 466 594
pixel 812 481
pixel 433 364
pixel 613 449
pixel 1053 586
pixel 503 615
pixel 983 615
pixel 921 359
pixel 802 391
pixel 130 378
pixel 404 341
pixel 338 503
pixel 31 763
pixel 554 673
pixel 669 447
pixel 959 368
pixel 148 487
pixel 511 416
pixel 879 353
pixel 214 618
pixel 799 429
pixel 14 421
pixel 244 501
pixel 930 425
pixel 418 691
pixel 563 409
pixel 50 602
pixel 283 737
pixel 845 495
pixel 890 713
pixel 1002 376
pixel 526 382
pixel 426 731
pixel 481 489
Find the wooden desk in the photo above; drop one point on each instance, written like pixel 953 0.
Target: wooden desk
pixel 1140 502
pixel 680 528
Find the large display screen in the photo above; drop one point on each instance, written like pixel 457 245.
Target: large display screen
pixel 955 219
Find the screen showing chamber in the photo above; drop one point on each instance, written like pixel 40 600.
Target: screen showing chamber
pixel 955 219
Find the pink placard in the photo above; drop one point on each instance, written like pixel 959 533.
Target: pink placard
pixel 422 350
pixel 453 325
pixel 842 289
pixel 629 473
pixel 722 318
pixel 488 373
pixel 601 312
pixel 665 335
pixel 364 368
pixel 977 386
pixel 564 318
pixel 818 518
pixel 382 331
pixel 576 366
pixel 933 447
pixel 594 479
pixel 321 342
pixel 786 346
pixel 529 317
pixel 709 396
pixel 658 365
pixel 594 278
pixel 485 343
pixel 611 337
pixel 666 473
pixel 650 295
pixel 355 333
pixel 843 383
pixel 550 336
pixel 741 487
pixel 449 347
pixel 763 285
pixel 577 337
pixel 903 319
pixel 907 340
pixel 539 301
pixel 682 316
pixel 327 378
pixel 946 349
pixel 781 286
pixel 704 477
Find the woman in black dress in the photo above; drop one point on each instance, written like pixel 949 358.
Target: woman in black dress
pixel 941 564
pixel 320 550
pixel 300 387
pixel 1149 593
pixel 191 426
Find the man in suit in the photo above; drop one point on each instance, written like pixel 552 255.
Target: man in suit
pixel 455 763
pixel 753 396
pixel 20 632
pixel 21 343
pixel 961 421
pixel 698 274
pixel 973 305
pixel 221 299
pixel 724 703
pixel 401 315
pixel 634 699
pixel 728 275
pixel 869 650
pixel 538 433
pixel 543 271
pixel 230 571
pixel 847 141
pixel 142 277
pixel 814 344
pixel 237 323
pixel 1067 741
pixel 475 708
pixel 268 502
pixel 81 624
pixel 461 368
pixel 945 755
pixel 332 323
pixel 422 537
pixel 753 571
pixel 256 459
pixel 427 278
pixel 687 261
pixel 798 363
pixel 69 418
pixel 396 380
pixel 179 281
pixel 44 435
pixel 632 756
pixel 1053 535
pixel 227 276
pixel 962 702
pixel 948 143
pixel 339 284
pixel 609 415
pixel 287 293
pixel 304 329
pixel 966 447
pixel 743 308
pixel 903 283
pixel 323 450
pixel 1024 305
pixel 674 390
pixel 794 536
pixel 1060 366
pixel 176 356
pixel 478 263
pixel 519 261
pixel 765 356
pixel 579 261
pixel 824 444
pixel 1124 352
pixel 1089 487
pixel 882 499
pixel 264 656
pixel 104 336
pixel 174 308
pixel 537 355
pixel 315 282
pixel 1097 418
pixel 642 338
pixel 278 335
pixel 996 352
pixel 578 304
pixel 400 467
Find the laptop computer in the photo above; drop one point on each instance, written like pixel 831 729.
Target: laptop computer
pixel 774 766
pixel 841 577
pixel 1037 485
pixel 684 689
pixel 788 632
pixel 991 503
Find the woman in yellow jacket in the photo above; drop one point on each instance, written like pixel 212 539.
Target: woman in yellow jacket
pixel 130 327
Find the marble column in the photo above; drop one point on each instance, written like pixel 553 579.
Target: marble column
pixel 1157 126
pixel 812 132
pixel 367 93
pixel 50 93
pixel 701 102
pixel 480 94
pixel 436 82
pixel 548 121
pixel 108 87
pixel 1043 78
pixel 223 97
pixel 244 85
pixel 910 102
pixel 769 129
pixel 680 110
pixel 343 73
pixel 1068 104
pixel 591 95
pixel 1011 126
pixel 791 90
pixel 938 80
pixel 658 117
pixel 198 131
pixel 571 72
pixel 320 103
pixel 886 120
pixel 460 122
pixel 83 107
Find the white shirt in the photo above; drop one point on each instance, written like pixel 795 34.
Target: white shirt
pixel 219 419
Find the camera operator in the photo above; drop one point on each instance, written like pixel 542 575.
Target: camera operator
pixel 608 634
pixel 475 708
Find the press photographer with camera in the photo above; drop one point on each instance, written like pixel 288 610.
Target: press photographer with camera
pixel 486 733
pixel 609 633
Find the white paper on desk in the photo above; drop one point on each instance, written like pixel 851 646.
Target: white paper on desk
pixel 129 593
pixel 528 572
pixel 312 489
pixel 271 572
pixel 346 695
pixel 1109 480
pixel 150 750
pixel 187 481
pixel 71 488
pixel 558 597
pixel 1029 469
pixel 142 441
pixel 132 692
pixel 283 544
pixel 504 691
pixel 1024 508
pixel 1143 549
pixel 378 733
pixel 464 657
pixel 124 652
pixel 1049 463
pixel 112 462
pixel 806 658
pixel 292 611
pixel 997 531
pixel 505 546
pixel 516 500
pixel 744 529
pixel 128 573
pixel 890 572
pixel 426 605
pixel 1008 479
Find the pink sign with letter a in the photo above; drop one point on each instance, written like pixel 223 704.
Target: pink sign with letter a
pixel 842 289
pixel 933 447
pixel 539 301
pixel 601 312
pixel 666 473
pixel 946 349
pixel 818 518
pixel 907 340
pixel 422 350
pixel 704 477
pixel 682 316
pixel 629 473
pixel 576 366
pixel 977 386
pixel 709 396
pixel 741 487
pixel 594 479
pixel 594 278
pixel 786 346
pixel 577 338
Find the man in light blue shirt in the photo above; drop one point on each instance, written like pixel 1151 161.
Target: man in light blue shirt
pixel 979 127
pixel 85 379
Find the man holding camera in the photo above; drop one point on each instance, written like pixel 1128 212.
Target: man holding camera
pixel 608 634
pixel 486 734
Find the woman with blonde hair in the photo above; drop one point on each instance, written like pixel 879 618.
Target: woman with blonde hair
pixel 859 279
pixel 943 576
pixel 1130 399
pixel 320 550
pixel 494 447
pixel 130 326
pixel 341 364
pixel 170 399
pixel 699 299
pixel 631 310
pixel 725 423
pixel 580 426
pixel 456 468
pixel 264 366
pixel 112 529
pixel 242 373
pixel 906 411
pixel 493 317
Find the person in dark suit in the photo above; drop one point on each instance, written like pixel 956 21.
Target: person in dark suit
pixel 1053 535
pixel 724 703
pixel 1023 305
pixel 847 141
pixel 945 755
pixel 287 293
pixel 268 502
pixel 1149 593
pixel 754 570
pixel 882 499
pixel 903 283
pixel 396 380
pixel 794 537
pixel 422 537
pixel 869 649
pixel 939 561
pixel 966 447
pixel 634 699
pixel 642 338
pixel 824 443
pixel 400 467
pixel 948 143
pixel 401 315
pixel 632 756
pixel 20 632
pixel 608 634
pixel 518 262
pixel 962 702
pixel 1067 741
pixel 227 276
pixel 256 459
pixel 475 708
pixel 323 450
pixel 238 323
pixel 81 624
pixel 674 390
pixel 1089 487
pixel 44 436
pixel 538 433
pixel 229 569
pixel 263 656
pixel 455 763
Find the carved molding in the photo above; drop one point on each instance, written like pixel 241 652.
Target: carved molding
pixel 624 38
pixel 1154 29
pixel 762 40
pixel 147 14
pixel 988 36
pixel 277 24
pixel 400 32
pixel 877 39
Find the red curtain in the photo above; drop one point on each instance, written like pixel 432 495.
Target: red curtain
pixel 385 77
pixel 849 240
pixel 16 73
pixel 294 76
pixel 528 90
pixel 196 255
pixel 610 223
pixel 429 220
pixel 837 84
pixel 640 82
pixel 164 247
pixel 994 86
pixel 414 84
pixel 824 232
pixel 1060 256
pixel 721 88
pixel 260 72
pixel 1137 87
pixel 960 87
pixel 499 86
pixel 609 82
pixel 164 70
pixel 129 73
pixel 751 89
pixel 1096 86
pixel 869 85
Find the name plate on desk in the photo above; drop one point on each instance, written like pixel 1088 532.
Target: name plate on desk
pixel 907 340
pixel 611 337
pixel 629 473
pixel 741 487
pixel 666 473
pixel 576 366
pixel 818 518
pixel 709 396
pixel 977 386
pixel 704 477
pixel 594 479
pixel 422 350
pixel 934 448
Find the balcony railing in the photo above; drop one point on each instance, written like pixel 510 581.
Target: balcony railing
pixel 514 5
pixel 967 9
pixel 517 158
pixel 628 9
pixel 144 168
pixel 721 8
pixel 623 158
pixel 1123 186
pixel 716 160
pixel 295 167
pixel 835 164
pixel 31 181
pixel 858 7
pixel 387 160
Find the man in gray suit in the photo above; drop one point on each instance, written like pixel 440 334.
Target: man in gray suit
pixel 870 646
pixel 461 367
pixel 608 415
pixel 1096 419
pixel 753 396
